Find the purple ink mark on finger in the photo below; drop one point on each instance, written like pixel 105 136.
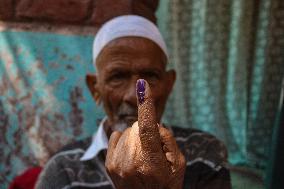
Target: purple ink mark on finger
pixel 141 90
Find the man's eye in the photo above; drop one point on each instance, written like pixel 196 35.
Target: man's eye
pixel 117 77
pixel 151 76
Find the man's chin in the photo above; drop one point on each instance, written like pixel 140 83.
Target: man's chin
pixel 123 124
pixel 130 121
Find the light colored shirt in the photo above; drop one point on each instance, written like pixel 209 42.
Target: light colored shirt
pixel 99 143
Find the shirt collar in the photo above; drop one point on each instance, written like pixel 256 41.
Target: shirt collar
pixel 99 142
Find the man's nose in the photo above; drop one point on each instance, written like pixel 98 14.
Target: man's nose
pixel 130 94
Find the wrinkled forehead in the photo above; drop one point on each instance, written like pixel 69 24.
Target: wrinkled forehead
pixel 131 48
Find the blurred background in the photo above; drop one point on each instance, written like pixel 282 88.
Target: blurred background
pixel 229 58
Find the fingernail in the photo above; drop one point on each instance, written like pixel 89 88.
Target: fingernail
pixel 140 90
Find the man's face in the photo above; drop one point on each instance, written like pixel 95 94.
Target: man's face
pixel 120 64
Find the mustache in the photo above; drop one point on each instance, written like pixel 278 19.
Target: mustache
pixel 123 112
pixel 127 110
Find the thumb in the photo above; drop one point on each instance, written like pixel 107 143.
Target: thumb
pixel 147 122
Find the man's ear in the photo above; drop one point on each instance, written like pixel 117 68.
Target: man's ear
pixel 91 81
pixel 171 78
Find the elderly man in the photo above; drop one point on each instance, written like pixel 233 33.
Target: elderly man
pixel 132 83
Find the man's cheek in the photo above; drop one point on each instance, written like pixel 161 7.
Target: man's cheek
pixel 113 102
pixel 160 102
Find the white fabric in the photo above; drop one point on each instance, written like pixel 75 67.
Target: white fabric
pixel 99 142
pixel 127 26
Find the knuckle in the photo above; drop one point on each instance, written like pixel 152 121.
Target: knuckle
pixel 147 171
pixel 126 173
pixel 110 168
pixel 182 160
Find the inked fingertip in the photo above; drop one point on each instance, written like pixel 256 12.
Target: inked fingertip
pixel 140 90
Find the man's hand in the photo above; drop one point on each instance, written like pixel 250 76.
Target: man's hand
pixel 145 155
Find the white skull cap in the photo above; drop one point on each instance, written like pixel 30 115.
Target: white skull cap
pixel 127 26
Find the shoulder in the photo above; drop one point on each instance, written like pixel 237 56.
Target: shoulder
pixel 69 154
pixel 79 144
pixel 206 159
pixel 197 145
pixel 64 167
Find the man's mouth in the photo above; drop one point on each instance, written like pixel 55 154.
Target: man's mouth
pixel 127 114
pixel 128 117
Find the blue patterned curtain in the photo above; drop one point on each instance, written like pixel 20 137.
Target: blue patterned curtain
pixel 44 101
pixel 229 58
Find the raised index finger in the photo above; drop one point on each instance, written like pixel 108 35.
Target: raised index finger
pixel 147 122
